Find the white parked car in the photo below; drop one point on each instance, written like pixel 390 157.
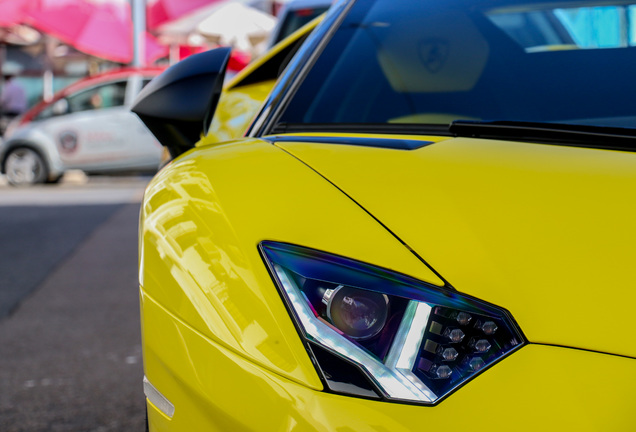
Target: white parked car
pixel 87 126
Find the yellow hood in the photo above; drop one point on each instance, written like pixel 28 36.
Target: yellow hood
pixel 547 232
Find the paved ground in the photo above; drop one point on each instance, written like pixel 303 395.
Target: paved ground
pixel 70 355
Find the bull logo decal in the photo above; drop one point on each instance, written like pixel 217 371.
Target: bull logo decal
pixel 434 54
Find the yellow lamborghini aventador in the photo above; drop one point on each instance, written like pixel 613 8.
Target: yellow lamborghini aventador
pixel 429 225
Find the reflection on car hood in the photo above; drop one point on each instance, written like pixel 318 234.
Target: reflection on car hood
pixel 545 231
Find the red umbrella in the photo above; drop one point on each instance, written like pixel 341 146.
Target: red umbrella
pixel 100 29
pixel 162 11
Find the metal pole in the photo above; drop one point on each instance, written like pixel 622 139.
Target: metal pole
pixel 138 8
pixel 174 52
pixel 47 76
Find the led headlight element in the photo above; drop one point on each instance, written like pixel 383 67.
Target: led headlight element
pixel 360 314
pixel 410 340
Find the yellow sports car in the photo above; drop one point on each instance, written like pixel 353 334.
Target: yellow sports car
pixel 428 225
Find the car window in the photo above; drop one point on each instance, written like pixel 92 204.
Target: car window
pixel 273 67
pixel 47 112
pixel 568 27
pixel 297 18
pixel 474 60
pixel 103 96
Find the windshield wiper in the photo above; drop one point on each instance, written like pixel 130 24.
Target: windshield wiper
pixel 612 138
pixel 371 128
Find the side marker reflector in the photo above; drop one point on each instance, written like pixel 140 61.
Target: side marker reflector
pixel 157 399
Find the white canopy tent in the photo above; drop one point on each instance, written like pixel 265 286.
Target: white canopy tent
pixel 229 23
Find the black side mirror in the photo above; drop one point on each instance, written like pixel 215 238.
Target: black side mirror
pixel 178 105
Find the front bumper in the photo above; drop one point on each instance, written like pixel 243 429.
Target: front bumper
pixel 213 388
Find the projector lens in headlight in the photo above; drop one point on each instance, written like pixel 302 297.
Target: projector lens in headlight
pixel 377 333
pixel 358 313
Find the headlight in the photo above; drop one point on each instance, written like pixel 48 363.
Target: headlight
pixel 379 334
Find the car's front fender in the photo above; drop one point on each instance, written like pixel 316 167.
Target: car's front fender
pixel 202 219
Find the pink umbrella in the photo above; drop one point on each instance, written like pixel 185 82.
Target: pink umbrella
pixel 13 12
pixel 162 11
pixel 100 29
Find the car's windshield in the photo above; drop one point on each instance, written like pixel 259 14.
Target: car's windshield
pixel 436 61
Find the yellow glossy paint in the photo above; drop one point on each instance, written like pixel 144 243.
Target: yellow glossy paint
pixel 240 102
pixel 202 219
pixel 545 231
pixel 214 324
pixel 236 110
pixel 537 387
pixel 219 343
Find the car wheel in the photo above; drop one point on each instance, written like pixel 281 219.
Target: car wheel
pixel 24 166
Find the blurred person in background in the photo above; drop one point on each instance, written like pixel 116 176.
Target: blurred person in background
pixel 13 100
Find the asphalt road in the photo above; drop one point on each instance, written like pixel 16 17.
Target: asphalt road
pixel 70 352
